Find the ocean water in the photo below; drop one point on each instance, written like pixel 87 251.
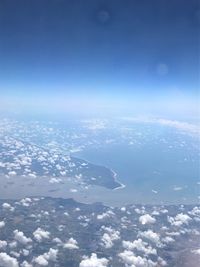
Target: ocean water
pixel 152 173
pixel 156 165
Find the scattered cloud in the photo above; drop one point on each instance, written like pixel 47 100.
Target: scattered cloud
pixel 41 234
pixel 43 260
pixel 21 238
pixel 93 261
pixel 7 261
pixel 71 244
pixel 179 125
pixel 146 219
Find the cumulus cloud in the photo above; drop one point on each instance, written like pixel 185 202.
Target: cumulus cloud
pixel 131 260
pixel 152 236
pixel 44 259
pixel 123 209
pixel 2 224
pixel 3 244
pixel 13 244
pixel 109 236
pixel 7 206
pixel 7 261
pixel 94 261
pixel 21 238
pixel 57 240
pixel 41 234
pixel 146 219
pixel 105 215
pixel 55 180
pixel 140 211
pixel 26 264
pixel 40 260
pixel 179 219
pixel 196 251
pixel 139 245
pixel 195 211
pixel 71 244
pixel 26 202
pixel 25 252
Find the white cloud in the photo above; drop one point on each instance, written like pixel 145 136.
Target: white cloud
pixel 164 211
pixel 195 211
pixel 21 238
pixel 7 261
pixel 152 236
pixel 139 211
pixel 105 215
pixel 123 209
pixel 57 240
pixel 3 244
pixel 94 261
pixel 13 244
pixel 44 259
pixel 95 124
pixel 131 260
pixel 41 261
pixel 179 125
pixel 179 219
pixel 73 190
pixel 139 245
pixel 146 219
pixel 26 264
pixel 161 262
pixel 183 126
pixel 41 234
pixel 25 252
pixel 196 251
pixel 2 224
pixel 7 206
pixel 26 202
pixel 177 188
pixel 71 244
pixel 52 254
pixel 109 236
pixel 55 180
pixel 12 173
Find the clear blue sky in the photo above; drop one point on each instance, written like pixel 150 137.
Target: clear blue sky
pixel 129 50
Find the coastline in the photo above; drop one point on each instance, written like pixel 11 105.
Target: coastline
pixel 117 181
pixel 114 174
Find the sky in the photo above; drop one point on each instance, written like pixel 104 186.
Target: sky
pixel 123 56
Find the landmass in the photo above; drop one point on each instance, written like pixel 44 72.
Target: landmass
pixel 19 158
pixel 40 231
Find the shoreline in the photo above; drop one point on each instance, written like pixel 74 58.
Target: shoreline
pixel 117 181
pixel 114 174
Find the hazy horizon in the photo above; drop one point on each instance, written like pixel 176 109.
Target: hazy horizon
pixel 101 58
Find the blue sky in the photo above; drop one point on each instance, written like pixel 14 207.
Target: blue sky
pixel 111 54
